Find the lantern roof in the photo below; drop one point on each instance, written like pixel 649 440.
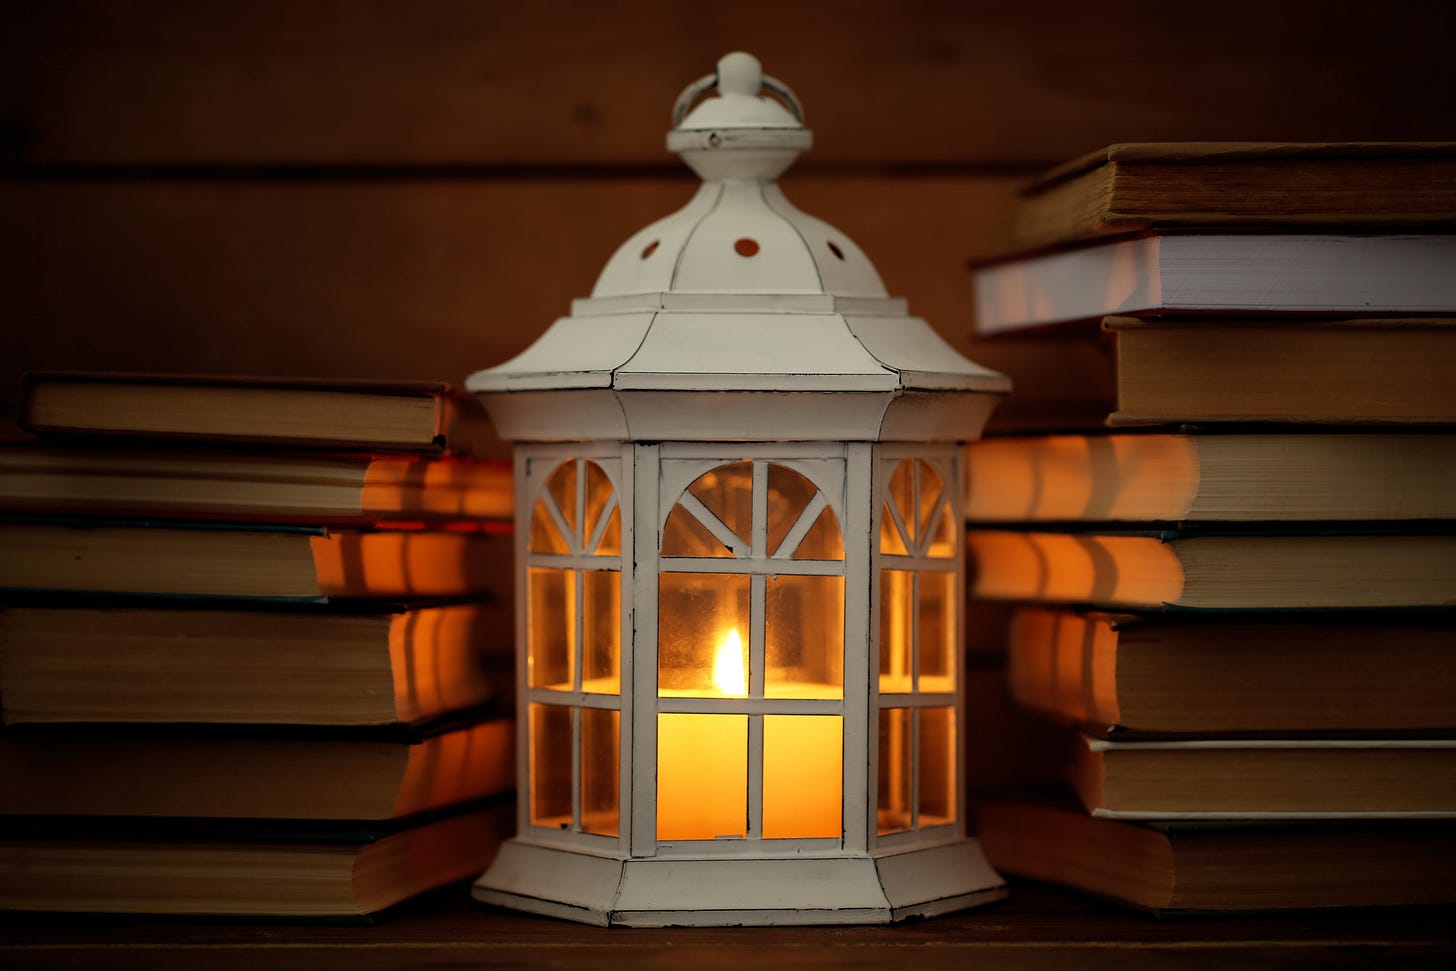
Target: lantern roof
pixel 738 293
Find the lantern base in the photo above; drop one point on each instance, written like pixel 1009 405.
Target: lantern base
pixel 700 892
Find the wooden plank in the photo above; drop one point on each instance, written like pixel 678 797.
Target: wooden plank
pixel 393 278
pixel 1039 927
pixel 456 82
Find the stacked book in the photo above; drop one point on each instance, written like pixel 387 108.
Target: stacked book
pixel 254 646
pixel 1237 585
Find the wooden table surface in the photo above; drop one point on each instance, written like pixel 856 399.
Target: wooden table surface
pixel 1039 927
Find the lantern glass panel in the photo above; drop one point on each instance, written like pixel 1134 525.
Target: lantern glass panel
pixel 788 498
pixel 897 601
pixel 937 766
pixel 942 533
pixel 727 492
pixel 892 540
pixel 895 784
pixel 599 494
pixel 937 628
pixel 684 535
pixel 611 541
pixel 802 776
pixel 551 622
pixel 600 770
pixel 563 488
pixel 901 496
pixel 823 541
pixel 703 635
pixel 546 537
pixel 550 766
pixel 602 631
pixel 702 776
pixel 804 640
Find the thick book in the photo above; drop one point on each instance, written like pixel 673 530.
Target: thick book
pixel 1214 570
pixel 139 772
pixel 308 666
pixel 1168 272
pixel 258 563
pixel 1314 476
pixel 251 486
pixel 356 415
pixel 1133 186
pixel 283 871
pixel 1349 371
pixel 1190 866
pixel 1266 778
pixel 1260 674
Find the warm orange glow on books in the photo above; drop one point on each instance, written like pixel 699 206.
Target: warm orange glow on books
pixel 408 486
pixel 400 564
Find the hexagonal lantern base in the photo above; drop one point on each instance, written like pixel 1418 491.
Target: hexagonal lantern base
pixel 878 889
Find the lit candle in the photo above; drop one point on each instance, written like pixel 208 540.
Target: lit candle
pixel 728 674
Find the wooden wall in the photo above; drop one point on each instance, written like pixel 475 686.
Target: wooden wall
pixel 389 189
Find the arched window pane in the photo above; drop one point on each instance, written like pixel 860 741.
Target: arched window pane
pixel 788 495
pixel 545 536
pixel 611 542
pixel 727 491
pixel 683 535
pixel 891 541
pixel 562 486
pixel 901 494
pixel 823 541
pixel 942 533
pixel 930 490
pixel 598 495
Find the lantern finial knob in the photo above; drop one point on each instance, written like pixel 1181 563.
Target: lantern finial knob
pixel 739 74
pixel 741 134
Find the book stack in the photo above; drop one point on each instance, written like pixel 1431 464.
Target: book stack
pixel 1235 585
pixel 254 646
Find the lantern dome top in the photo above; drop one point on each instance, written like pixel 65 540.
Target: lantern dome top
pixel 739 234
pixel 738 292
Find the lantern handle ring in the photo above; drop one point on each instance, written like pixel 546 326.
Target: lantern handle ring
pixel 709 81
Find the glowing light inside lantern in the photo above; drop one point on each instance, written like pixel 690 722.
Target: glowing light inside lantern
pixel 728 674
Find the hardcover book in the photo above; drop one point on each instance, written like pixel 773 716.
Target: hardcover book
pixel 1133 186
pixel 1244 570
pixel 305 666
pixel 418 416
pixel 1246 674
pixel 1190 867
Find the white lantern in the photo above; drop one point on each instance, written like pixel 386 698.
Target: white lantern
pixel 740 560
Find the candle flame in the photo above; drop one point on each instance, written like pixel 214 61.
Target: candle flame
pixel 728 673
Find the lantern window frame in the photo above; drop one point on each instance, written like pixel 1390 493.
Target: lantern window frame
pixel 948 462
pixel 827 475
pixel 535 466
